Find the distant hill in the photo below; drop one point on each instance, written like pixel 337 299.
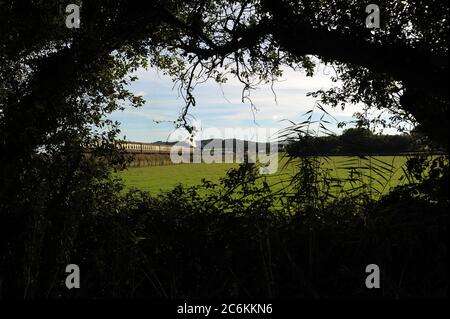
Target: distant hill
pixel 228 144
pixel 237 145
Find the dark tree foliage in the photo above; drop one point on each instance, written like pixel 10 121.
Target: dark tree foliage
pixel 401 66
pixel 358 141
pixel 57 85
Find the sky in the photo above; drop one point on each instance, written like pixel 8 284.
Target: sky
pixel 219 110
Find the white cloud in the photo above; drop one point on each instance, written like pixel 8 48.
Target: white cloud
pixel 221 106
pixel 140 93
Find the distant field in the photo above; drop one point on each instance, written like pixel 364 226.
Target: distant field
pixel 157 179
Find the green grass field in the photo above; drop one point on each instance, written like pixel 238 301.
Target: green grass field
pixel 157 179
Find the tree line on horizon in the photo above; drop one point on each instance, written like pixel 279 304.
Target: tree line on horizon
pixel 358 141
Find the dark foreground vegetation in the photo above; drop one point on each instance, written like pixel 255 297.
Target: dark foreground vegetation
pixel 234 239
pixel 237 239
